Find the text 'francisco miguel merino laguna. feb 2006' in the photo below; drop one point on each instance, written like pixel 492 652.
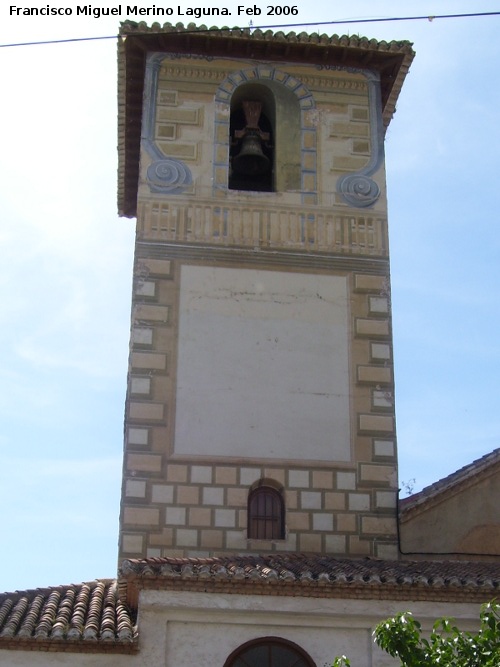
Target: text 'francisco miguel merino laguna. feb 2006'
pixel 153 10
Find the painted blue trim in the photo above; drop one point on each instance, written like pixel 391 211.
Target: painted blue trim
pixel 167 175
pixel 358 189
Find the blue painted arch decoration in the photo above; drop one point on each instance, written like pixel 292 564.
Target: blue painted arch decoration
pixel 264 74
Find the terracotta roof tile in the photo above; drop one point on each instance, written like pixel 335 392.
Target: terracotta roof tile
pixel 93 617
pixel 338 575
pixel 89 615
pixel 257 34
pixel 464 475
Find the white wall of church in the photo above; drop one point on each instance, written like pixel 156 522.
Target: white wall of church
pixel 181 628
pixel 268 351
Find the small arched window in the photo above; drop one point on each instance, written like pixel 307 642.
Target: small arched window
pixel 269 652
pixel 266 514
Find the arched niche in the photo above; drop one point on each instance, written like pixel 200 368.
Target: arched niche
pixel 255 104
pixel 285 103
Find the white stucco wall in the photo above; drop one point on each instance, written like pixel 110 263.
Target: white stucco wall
pixel 262 365
pixel 189 628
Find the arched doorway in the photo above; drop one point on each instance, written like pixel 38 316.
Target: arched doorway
pixel 269 652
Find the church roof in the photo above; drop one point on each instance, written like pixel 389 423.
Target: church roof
pixel 316 576
pixel 100 616
pixel 88 617
pixel 458 480
pixel 390 59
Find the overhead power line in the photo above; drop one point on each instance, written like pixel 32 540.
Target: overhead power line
pixel 269 27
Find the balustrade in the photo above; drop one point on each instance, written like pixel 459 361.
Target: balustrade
pixel 215 223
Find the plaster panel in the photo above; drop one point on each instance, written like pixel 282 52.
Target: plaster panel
pixel 262 365
pixel 194 642
pixel 181 628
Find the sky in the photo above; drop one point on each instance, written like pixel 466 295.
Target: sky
pixel 66 266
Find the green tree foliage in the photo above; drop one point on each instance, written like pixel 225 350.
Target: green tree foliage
pixel 447 646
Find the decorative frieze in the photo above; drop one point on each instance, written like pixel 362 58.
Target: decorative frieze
pixel 264 225
pixel 216 73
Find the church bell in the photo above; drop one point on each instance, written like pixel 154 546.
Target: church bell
pixel 250 159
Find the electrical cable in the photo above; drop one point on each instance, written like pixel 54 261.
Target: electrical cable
pixel 269 27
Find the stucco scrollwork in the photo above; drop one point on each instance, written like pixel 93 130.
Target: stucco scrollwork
pixel 358 190
pixel 169 175
pixel 165 174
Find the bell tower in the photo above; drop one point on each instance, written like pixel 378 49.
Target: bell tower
pixel 260 403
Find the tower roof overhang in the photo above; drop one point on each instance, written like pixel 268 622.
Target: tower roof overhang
pixel 391 60
pixel 313 576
